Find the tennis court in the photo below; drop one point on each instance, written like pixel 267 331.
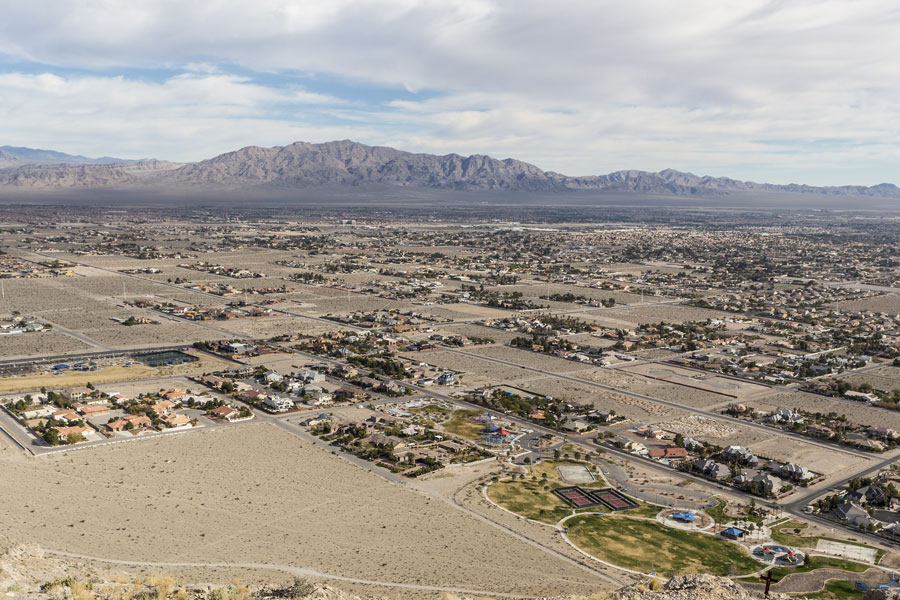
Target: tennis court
pixel 576 496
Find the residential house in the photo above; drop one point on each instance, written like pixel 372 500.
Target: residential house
pixel 853 514
pixel 739 454
pixel 278 404
pixel 177 421
pixel 76 393
pixel 668 452
pixel 228 413
pixel 868 494
pixel 712 469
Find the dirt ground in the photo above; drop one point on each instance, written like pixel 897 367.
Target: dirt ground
pixel 255 493
pixel 476 372
pixel 696 379
pixel 815 458
pixel 635 409
pixel 855 411
pixel 887 384
pixel 39 344
pixel 670 313
pixel 886 303
pixel 714 431
pixel 527 358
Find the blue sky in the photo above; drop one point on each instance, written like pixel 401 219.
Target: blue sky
pixel 801 91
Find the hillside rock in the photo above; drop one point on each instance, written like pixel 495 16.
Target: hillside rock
pixel 690 587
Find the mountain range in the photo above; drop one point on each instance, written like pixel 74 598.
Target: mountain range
pixel 347 163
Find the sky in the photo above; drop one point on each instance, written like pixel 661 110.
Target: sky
pixel 782 91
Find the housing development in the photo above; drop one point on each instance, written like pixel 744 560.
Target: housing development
pixel 415 402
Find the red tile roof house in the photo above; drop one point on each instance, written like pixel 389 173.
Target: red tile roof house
pixel 176 421
pixel 162 407
pixel 65 415
pixel 138 421
pixel 225 412
pixel 92 410
pixel 118 425
pixel 64 431
pixel 668 452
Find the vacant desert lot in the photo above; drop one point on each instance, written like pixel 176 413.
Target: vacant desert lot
pixel 714 431
pixel 855 411
pixel 527 358
pixel 697 379
pixel 41 343
pixel 813 457
pixel 477 371
pixel 633 408
pixel 886 303
pixel 887 384
pixel 256 493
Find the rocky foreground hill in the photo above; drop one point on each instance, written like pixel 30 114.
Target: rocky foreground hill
pixel 348 163
pixel 27 573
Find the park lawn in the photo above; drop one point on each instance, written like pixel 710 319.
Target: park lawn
pixel 461 424
pixel 794 538
pixel 430 409
pixel 643 545
pixel 529 499
pixel 814 563
pixel 836 589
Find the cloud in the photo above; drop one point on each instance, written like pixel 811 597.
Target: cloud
pixel 716 86
pixel 186 117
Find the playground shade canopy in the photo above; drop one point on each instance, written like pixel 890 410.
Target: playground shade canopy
pixel 687 517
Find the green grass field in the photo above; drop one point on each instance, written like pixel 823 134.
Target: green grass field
pixel 836 589
pixel 789 533
pixel 643 545
pixel 461 424
pixel 821 562
pixel 527 497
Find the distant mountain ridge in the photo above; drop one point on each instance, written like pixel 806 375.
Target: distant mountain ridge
pixel 347 163
pixel 18 156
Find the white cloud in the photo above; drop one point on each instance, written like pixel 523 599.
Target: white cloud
pixel 187 117
pixel 761 89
